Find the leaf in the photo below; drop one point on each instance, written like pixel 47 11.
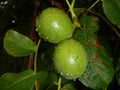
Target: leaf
pixel 68 86
pixel 17 81
pixel 99 72
pixel 118 3
pixel 17 44
pixel 112 10
pixel 46 79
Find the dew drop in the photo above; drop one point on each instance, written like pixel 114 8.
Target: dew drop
pixel 61 73
pixel 67 74
pixel 71 60
pixel 55 24
pixel 1 2
pixel 13 21
pixel 6 2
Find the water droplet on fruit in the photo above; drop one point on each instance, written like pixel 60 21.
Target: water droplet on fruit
pixel 71 60
pixel 61 73
pixel 55 24
pixel 67 74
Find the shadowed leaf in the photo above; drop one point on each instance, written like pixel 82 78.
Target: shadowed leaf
pixel 17 81
pixel 112 10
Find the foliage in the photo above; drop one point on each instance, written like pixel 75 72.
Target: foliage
pixel 18 45
pixel 28 58
pixel 12 81
pixel 99 72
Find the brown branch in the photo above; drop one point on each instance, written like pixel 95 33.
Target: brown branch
pixel 33 33
pixel 57 4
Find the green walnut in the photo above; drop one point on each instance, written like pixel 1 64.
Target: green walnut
pixel 70 59
pixel 54 25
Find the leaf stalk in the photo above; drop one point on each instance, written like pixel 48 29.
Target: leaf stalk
pixel 35 64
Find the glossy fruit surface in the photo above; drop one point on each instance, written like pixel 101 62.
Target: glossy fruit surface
pixel 54 25
pixel 70 59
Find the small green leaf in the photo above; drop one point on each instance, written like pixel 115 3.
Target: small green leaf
pixel 17 81
pixel 17 44
pixel 99 72
pixel 112 10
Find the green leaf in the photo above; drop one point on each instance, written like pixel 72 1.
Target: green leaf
pixel 17 44
pixel 46 79
pixel 118 3
pixel 99 72
pixel 68 86
pixel 17 81
pixel 112 10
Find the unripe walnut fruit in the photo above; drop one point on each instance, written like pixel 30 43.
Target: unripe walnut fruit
pixel 70 59
pixel 54 25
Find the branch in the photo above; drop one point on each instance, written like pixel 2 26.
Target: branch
pixel 33 32
pixel 57 4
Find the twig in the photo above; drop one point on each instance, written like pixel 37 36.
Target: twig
pixel 93 5
pixel 73 15
pixel 59 83
pixel 30 62
pixel 35 64
pixel 32 33
pixel 57 4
